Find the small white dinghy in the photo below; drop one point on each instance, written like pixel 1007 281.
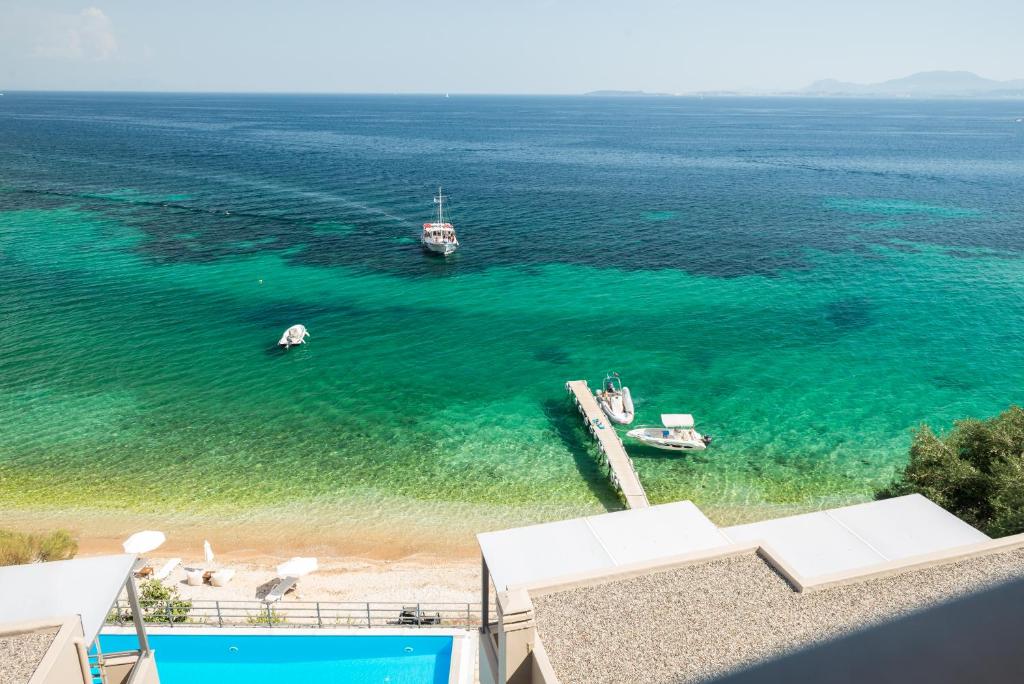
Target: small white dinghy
pixel 615 400
pixel 296 334
pixel 676 435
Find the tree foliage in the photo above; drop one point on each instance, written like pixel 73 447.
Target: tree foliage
pixel 976 471
pixel 162 603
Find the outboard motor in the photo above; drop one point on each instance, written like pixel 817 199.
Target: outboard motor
pixel 707 439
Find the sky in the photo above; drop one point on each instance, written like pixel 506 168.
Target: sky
pixel 480 46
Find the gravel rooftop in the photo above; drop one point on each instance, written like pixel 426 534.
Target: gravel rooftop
pixel 695 623
pixel 21 653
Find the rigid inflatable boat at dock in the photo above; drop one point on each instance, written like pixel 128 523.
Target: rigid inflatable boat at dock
pixel 615 400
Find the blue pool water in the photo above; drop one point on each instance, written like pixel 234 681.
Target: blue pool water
pixel 281 658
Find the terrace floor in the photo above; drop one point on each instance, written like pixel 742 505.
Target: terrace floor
pixel 701 621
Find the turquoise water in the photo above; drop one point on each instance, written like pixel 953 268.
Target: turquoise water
pixel 812 279
pixel 231 659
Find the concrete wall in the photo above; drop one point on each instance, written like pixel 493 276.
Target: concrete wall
pixel 510 651
pixel 119 668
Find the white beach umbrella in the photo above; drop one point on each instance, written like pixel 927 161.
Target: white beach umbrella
pixel 143 542
pixel 207 552
pixel 297 567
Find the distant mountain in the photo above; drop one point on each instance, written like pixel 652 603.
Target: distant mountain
pixel 624 93
pixel 923 84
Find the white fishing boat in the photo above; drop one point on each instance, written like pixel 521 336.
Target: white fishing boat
pixel 615 400
pixel 439 236
pixel 676 434
pixel 294 335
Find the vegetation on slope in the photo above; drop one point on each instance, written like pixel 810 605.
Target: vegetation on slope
pixel 975 471
pixel 18 548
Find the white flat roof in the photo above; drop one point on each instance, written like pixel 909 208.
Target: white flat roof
pixel 525 555
pixel 841 539
pixel 814 544
pixel 86 587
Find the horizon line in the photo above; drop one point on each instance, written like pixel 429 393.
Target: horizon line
pixel 605 93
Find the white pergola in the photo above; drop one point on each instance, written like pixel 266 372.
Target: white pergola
pixel 86 587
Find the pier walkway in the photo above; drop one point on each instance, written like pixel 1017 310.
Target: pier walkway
pixel 620 465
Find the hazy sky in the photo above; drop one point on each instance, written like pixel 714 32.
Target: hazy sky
pixel 524 46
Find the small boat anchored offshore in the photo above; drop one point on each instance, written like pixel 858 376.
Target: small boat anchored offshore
pixel 439 237
pixel 296 334
pixel 676 435
pixel 615 400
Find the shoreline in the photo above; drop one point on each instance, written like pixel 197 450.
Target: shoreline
pixel 434 559
pixel 438 531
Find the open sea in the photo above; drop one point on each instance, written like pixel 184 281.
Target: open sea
pixel 811 278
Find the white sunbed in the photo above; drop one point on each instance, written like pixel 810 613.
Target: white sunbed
pixel 168 567
pixel 285 585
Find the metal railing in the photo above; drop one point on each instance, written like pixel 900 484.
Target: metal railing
pixel 323 614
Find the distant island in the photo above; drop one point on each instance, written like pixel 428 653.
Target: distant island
pixel 922 84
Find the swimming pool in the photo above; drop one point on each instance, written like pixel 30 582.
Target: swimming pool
pixel 247 658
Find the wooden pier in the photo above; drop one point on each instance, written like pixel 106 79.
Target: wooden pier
pixel 620 465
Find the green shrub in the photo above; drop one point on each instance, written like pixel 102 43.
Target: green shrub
pixel 976 471
pixel 267 616
pixel 161 603
pixel 58 545
pixel 15 548
pixel 18 548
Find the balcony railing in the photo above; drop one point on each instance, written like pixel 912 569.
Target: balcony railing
pixel 321 614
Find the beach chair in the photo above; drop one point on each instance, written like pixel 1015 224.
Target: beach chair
pixel 412 615
pixel 167 568
pixel 278 591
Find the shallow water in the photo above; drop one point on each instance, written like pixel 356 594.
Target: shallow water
pixel 810 278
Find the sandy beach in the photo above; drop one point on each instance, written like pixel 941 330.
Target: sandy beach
pixel 427 560
pixel 412 580
pixel 353 566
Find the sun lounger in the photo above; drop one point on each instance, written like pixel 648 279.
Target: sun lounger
pixel 412 615
pixel 168 567
pixel 280 589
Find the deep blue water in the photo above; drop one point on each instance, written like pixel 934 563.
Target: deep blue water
pixel 749 183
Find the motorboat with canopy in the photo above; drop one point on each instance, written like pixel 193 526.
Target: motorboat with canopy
pixel 676 434
pixel 615 400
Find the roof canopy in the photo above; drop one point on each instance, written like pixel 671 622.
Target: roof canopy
pixel 527 555
pixel 843 539
pixel 814 544
pixel 677 420
pixel 86 587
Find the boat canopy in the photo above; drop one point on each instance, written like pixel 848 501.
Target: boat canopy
pixel 677 420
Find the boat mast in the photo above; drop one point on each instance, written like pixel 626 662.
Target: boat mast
pixel 440 206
